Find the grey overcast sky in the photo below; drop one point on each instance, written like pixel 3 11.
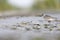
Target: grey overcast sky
pixel 22 3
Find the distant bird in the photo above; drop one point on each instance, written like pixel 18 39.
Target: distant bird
pixel 49 18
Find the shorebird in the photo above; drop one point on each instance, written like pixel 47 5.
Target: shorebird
pixel 49 18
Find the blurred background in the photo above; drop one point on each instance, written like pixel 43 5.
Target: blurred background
pixel 12 7
pixel 29 4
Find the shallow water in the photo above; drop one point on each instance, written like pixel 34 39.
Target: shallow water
pixel 27 35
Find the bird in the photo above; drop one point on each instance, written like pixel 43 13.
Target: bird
pixel 49 18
